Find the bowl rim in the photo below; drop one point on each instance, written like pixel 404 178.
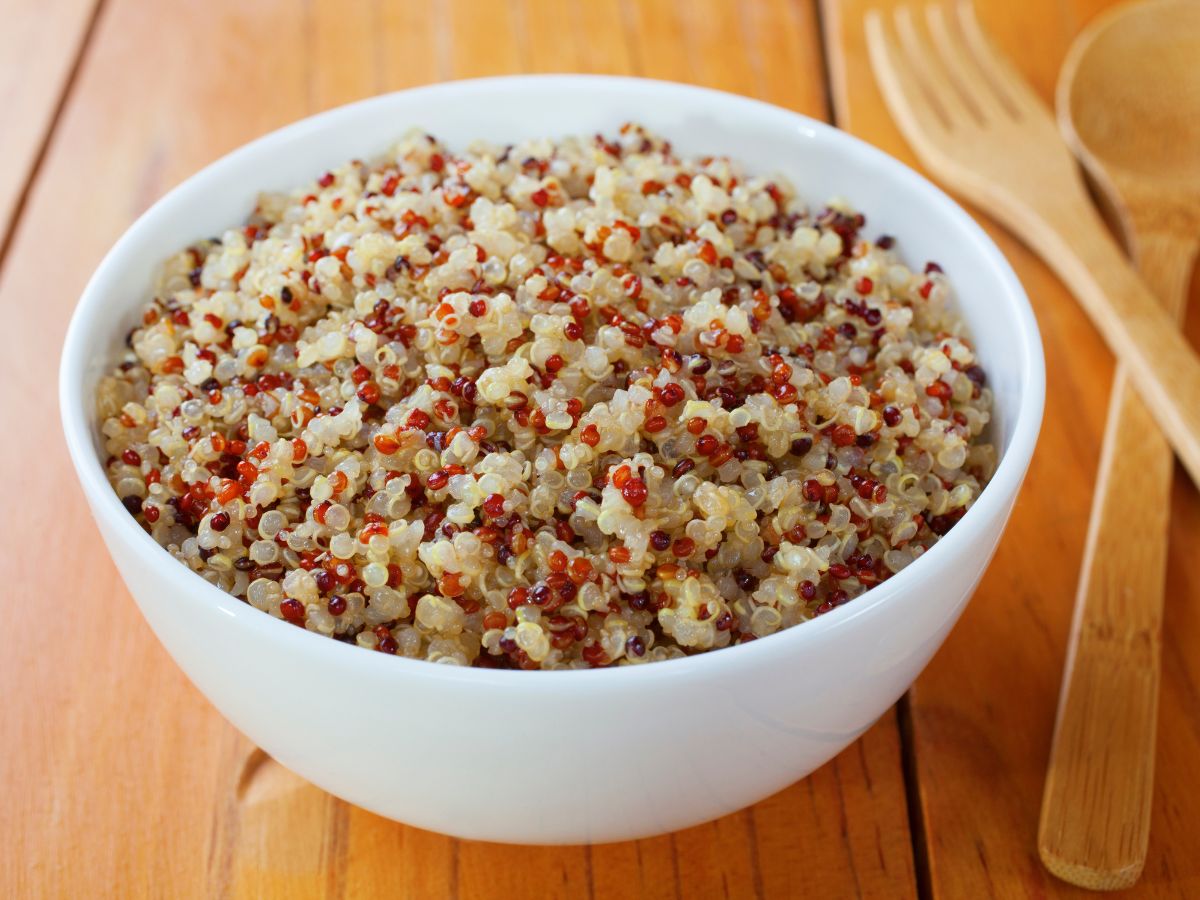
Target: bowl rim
pixel 110 513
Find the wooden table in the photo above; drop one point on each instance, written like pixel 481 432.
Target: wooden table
pixel 119 779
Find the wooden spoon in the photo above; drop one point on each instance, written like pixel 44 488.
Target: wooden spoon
pixel 1129 106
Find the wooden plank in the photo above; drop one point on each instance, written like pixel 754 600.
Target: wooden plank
pixel 984 710
pixel 40 45
pixel 115 772
pixel 816 836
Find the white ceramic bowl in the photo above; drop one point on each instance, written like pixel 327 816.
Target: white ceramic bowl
pixel 643 749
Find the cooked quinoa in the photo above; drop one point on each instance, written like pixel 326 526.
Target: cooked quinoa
pixel 554 405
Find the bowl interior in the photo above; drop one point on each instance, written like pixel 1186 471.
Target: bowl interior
pixel 821 162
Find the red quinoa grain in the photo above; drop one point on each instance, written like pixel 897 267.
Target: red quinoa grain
pixel 579 405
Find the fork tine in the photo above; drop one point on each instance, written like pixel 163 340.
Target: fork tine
pixel 965 73
pixel 1001 74
pixel 905 95
pixel 930 71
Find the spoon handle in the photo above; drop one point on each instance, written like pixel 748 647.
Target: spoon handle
pixel 1095 823
pixel 1161 365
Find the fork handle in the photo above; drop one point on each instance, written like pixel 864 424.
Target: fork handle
pixel 1095 822
pixel 1074 241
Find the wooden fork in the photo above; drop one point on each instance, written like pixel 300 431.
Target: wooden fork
pixel 977 126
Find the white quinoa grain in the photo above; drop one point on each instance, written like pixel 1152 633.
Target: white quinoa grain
pixel 552 405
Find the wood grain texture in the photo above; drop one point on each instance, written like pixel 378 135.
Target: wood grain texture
pixel 38 52
pixel 117 776
pixel 1127 81
pixel 982 712
pixel 974 122
pixel 1095 821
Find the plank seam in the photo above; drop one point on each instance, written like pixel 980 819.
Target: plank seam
pixel 839 114
pixel 831 111
pixel 912 795
pixel 8 229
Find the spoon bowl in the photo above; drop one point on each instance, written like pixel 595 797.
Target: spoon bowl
pixel 1129 103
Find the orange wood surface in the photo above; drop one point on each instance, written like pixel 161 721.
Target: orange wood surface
pixel 39 47
pixel 118 779
pixel 983 712
pixel 116 772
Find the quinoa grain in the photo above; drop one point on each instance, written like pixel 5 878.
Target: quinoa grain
pixel 564 404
